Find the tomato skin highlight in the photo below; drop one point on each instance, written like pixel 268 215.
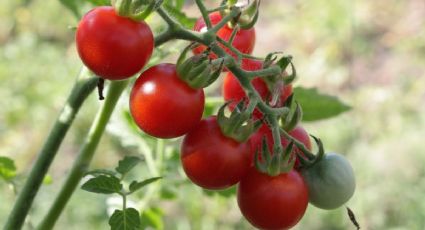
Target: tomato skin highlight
pixel 244 40
pixel 233 91
pixel 111 46
pixel 164 106
pixel 212 160
pixel 272 202
pixel 299 133
pixel 331 181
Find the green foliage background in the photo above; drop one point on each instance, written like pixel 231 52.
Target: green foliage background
pixel 371 54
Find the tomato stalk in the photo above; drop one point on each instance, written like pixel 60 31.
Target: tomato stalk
pixel 204 12
pixel 84 85
pixel 87 152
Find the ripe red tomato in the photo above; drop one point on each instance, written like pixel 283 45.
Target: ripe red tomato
pixel 244 40
pixel 298 133
pixel 111 46
pixel 164 106
pixel 233 91
pixel 272 202
pixel 212 160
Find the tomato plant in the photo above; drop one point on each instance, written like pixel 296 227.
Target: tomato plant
pixel 163 105
pixel 112 46
pixel 212 160
pixel 330 181
pixel 233 91
pixel 244 40
pixel 167 101
pixel 272 202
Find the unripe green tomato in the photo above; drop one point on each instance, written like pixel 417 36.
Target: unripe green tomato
pixel 331 182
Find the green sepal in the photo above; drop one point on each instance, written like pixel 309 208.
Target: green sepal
pixel 198 71
pixel 137 13
pixel 274 166
pixel 304 162
pixel 265 153
pixel 214 76
pixel 270 58
pixel 122 7
pixel 261 166
pixel 321 150
pixel 183 54
pixel 287 161
pixel 239 125
pixel 313 159
pixel 289 100
pixel 249 15
pixel 283 63
pixel 290 121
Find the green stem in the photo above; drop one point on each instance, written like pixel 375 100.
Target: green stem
pixel 155 168
pixel 84 85
pixel 204 13
pixel 235 11
pixel 220 8
pixel 85 156
pixel 230 47
pixel 166 17
pixel 274 124
pixel 299 144
pixel 273 70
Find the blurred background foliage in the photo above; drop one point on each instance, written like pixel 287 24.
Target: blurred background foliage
pixel 371 54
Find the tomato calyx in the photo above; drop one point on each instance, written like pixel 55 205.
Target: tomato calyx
pixel 135 9
pixel 276 163
pixel 290 120
pixel 248 16
pixel 199 71
pixel 239 125
pixel 309 159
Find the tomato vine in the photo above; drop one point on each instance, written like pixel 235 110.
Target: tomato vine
pixel 274 164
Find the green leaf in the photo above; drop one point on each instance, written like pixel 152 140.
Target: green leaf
pixel 103 184
pixel 180 16
pixel 7 168
pixel 98 172
pixel 125 220
pixel 126 164
pixel 152 218
pixel 134 186
pixel 317 106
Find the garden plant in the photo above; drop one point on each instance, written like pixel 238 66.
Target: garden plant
pixel 251 143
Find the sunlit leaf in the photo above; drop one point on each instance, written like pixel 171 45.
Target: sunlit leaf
pixel 98 172
pixel 134 186
pixel 127 219
pixel 125 165
pixel 103 184
pixel 7 168
pixel 317 106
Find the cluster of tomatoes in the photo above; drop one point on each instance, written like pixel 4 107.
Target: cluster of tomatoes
pixel 164 106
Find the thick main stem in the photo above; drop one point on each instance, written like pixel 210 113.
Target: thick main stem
pixel 86 154
pixel 84 85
